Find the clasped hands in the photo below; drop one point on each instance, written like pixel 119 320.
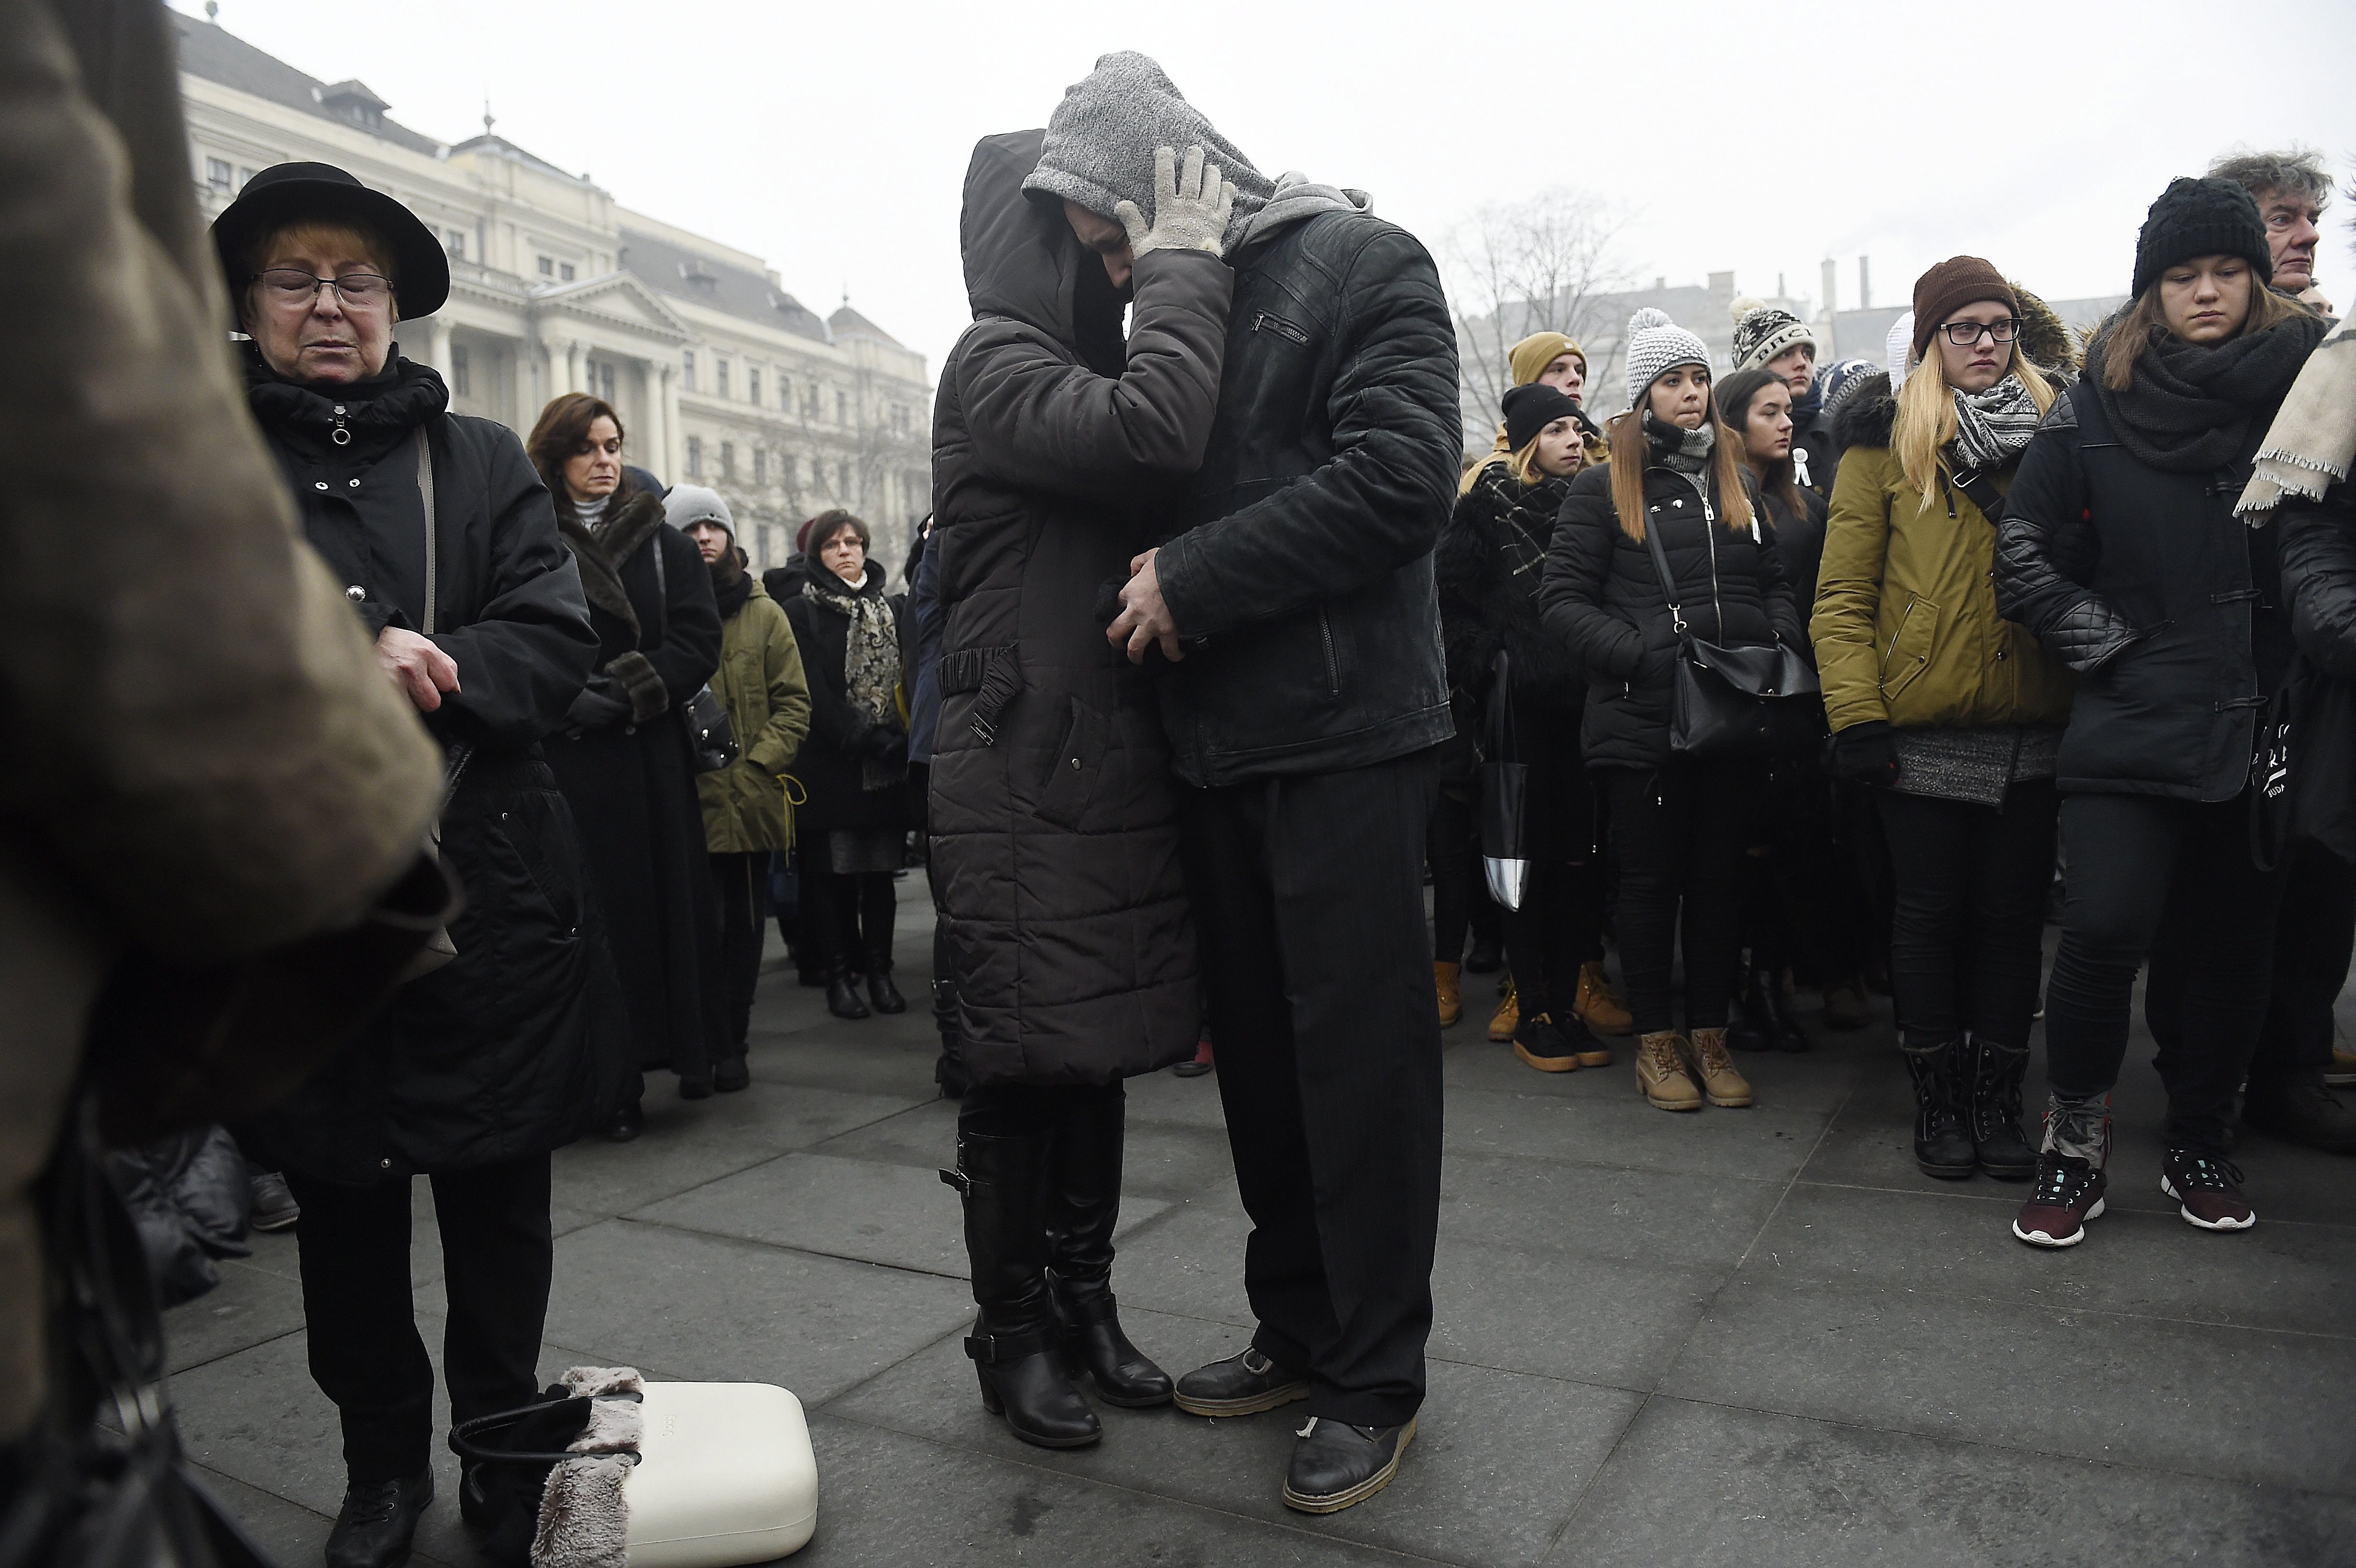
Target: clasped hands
pixel 1144 619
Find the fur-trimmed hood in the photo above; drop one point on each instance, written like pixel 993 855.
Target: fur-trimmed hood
pixel 630 521
pixel 1866 414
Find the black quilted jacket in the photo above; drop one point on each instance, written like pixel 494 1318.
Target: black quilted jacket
pixel 2142 581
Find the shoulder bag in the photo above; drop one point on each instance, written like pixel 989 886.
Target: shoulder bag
pixel 1730 703
pixel 712 736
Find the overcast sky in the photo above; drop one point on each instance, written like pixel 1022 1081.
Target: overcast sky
pixel 832 137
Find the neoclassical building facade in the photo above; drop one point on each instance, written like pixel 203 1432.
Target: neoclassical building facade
pixel 721 376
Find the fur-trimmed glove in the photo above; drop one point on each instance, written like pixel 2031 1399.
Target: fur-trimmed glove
pixel 649 700
pixel 1191 208
pixel 1866 754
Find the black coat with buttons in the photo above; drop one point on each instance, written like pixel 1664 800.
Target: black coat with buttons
pixel 1602 596
pixel 518 1044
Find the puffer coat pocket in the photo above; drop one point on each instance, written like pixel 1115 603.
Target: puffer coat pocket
pixel 1909 646
pixel 1071 772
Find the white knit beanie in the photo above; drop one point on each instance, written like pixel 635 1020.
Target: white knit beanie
pixel 1657 345
pixel 1895 348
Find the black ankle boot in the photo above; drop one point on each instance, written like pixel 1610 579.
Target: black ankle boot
pixel 1083 1206
pixel 1783 1031
pixel 1017 1354
pixel 1746 1022
pixel 882 992
pixel 843 996
pixel 1994 1075
pixel 378 1520
pixel 1941 1146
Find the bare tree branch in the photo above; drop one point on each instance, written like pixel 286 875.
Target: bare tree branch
pixel 1516 268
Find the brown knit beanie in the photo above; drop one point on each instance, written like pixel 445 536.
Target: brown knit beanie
pixel 1948 287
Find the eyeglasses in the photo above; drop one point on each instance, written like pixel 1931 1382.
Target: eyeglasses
pixel 1963 334
pixel 292 286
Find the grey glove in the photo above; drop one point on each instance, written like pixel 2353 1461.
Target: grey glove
pixel 1191 209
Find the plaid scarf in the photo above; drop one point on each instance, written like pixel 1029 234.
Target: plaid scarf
pixel 1991 427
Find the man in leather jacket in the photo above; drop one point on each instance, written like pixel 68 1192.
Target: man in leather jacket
pixel 1304 697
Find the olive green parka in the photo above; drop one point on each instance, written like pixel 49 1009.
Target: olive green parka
pixel 761 684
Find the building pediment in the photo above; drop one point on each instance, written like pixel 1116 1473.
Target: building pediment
pixel 613 300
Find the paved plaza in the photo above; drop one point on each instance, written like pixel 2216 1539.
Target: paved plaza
pixel 1746 1338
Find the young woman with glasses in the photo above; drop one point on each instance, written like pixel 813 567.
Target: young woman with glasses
pixel 1950 712
pixel 2122 553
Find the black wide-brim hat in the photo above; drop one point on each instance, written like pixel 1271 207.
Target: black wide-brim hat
pixel 286 193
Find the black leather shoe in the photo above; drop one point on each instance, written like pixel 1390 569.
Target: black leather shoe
pixel 884 994
pixel 695 1085
pixel 730 1075
pixel 1335 1465
pixel 842 998
pixel 628 1123
pixel 1243 1384
pixel 374 1527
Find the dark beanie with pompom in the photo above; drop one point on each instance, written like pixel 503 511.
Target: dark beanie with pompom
pixel 2201 217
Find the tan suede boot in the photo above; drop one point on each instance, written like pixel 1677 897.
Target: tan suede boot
pixel 1452 1001
pixel 1508 1017
pixel 1597 1007
pixel 1660 1073
pixel 1720 1081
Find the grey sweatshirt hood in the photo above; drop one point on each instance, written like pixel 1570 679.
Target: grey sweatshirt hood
pixel 1101 140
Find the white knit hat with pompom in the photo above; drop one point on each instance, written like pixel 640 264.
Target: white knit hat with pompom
pixel 1896 349
pixel 1657 345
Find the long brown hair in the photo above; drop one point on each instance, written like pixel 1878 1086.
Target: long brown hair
pixel 560 431
pixel 1631 454
pixel 1737 393
pixel 2134 328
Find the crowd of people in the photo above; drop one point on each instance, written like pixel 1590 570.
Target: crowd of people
pixel 1228 699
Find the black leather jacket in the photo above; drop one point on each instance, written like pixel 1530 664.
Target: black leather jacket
pixel 1303 580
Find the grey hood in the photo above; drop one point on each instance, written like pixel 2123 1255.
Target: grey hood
pixel 1101 140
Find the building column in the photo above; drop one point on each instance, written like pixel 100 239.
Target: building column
pixel 432 338
pixel 654 431
pixel 674 438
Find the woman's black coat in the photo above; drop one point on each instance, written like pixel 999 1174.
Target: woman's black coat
pixel 513 1047
pixel 1602 597
pixel 1488 567
pixel 632 788
pixel 828 766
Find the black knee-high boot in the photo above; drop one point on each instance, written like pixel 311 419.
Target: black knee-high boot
pixel 1017 1353
pixel 1083 1206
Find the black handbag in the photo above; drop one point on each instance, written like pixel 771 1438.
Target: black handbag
pixel 708 726
pixel 2303 768
pixel 1505 794
pixel 1730 703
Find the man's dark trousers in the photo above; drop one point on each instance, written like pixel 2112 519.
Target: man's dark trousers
pixel 1308 894
pixel 497 1257
pixel 2313 938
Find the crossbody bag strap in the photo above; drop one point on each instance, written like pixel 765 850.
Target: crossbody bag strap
pixel 1984 494
pixel 1668 584
pixel 426 490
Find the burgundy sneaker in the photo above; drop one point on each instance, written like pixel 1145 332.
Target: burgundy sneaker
pixel 2068 1193
pixel 2208 1189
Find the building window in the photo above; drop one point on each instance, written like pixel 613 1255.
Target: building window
pixel 720 377
pixel 244 174
pixel 843 480
pixel 454 240
pixel 752 388
pixel 817 475
pixel 728 460
pixel 760 465
pixel 694 457
pixel 548 266
pixel 686 369
pixel 899 420
pixel 564 270
pixel 462 381
pixel 842 408
pixel 605 381
pixel 216 174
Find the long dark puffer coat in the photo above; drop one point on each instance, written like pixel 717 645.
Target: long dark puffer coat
pixel 1054 810
pixel 1602 596
pixel 1488 567
pixel 514 1047
pixel 827 767
pixel 632 784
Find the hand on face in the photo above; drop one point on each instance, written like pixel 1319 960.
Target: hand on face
pixel 324 339
pixel 1104 236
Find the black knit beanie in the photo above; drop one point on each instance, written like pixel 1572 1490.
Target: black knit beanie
pixel 1529 410
pixel 2201 217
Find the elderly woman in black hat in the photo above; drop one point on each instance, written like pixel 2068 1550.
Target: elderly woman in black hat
pixel 514 1046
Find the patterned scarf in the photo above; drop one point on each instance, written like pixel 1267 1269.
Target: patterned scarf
pixel 870 658
pixel 1991 427
pixel 1682 450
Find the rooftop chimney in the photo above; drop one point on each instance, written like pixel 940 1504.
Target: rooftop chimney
pixel 1831 287
pixel 1865 282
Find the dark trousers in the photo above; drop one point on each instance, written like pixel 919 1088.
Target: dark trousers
pixel 2314 937
pixel 1969 931
pixel 1308 894
pixel 743 884
pixel 1559 926
pixel 2170 880
pixel 847 920
pixel 1805 903
pixel 1452 850
pixel 1681 831
pixel 366 1356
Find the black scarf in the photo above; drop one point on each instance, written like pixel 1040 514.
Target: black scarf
pixel 730 584
pixel 2195 407
pixel 374 415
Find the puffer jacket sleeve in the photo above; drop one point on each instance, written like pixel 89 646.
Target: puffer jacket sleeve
pixel 773 750
pixel 1849 589
pixel 1380 501
pixel 2043 553
pixel 1578 575
pixel 2319 574
pixel 527 654
pixel 1040 421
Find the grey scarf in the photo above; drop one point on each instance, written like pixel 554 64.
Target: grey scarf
pixel 1991 427
pixel 1684 451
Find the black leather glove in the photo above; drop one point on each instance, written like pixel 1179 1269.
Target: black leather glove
pixel 602 704
pixel 1866 754
pixel 881 739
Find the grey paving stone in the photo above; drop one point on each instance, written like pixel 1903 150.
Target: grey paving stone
pixel 2231 1403
pixel 1158 1158
pixel 711 1308
pixel 249 1306
pixel 1690 1222
pixel 1579 1318
pixel 1189 1102
pixel 1621 1132
pixel 1190 1262
pixel 688 1143
pixel 1702 1486
pixel 1478 1433
pixel 826 1056
pixel 1959 1241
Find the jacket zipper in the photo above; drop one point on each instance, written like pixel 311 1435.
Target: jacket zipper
pixel 1709 532
pixel 1280 326
pixel 1332 665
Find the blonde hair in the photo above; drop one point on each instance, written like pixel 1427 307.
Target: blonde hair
pixel 1632 453
pixel 1926 422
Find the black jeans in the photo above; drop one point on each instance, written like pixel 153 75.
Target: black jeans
pixel 2313 940
pixel 1681 830
pixel 1452 850
pixel 366 1356
pixel 847 920
pixel 1559 926
pixel 1308 894
pixel 1969 932
pixel 743 884
pixel 2170 880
